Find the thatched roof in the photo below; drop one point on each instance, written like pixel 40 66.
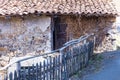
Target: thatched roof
pixel 86 7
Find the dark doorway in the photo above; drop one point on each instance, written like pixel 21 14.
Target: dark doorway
pixel 59 33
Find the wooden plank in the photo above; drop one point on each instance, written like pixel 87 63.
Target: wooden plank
pixel 40 71
pixel 29 74
pixel 79 59
pixel 53 68
pixel 24 73
pixel 71 69
pixel 15 75
pixel 47 70
pixel 59 66
pixel 50 68
pixel 33 72
pixel 44 70
pixel 56 68
pixel 37 70
pixel 68 63
pixel 11 76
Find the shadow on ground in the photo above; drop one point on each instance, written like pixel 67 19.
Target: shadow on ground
pixel 105 66
pixel 110 68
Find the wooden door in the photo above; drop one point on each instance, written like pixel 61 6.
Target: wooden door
pixel 60 34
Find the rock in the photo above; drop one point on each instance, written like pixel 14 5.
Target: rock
pixel 11 54
pixel 5 58
pixel 3 63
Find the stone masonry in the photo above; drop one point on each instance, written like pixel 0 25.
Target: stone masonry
pixel 26 35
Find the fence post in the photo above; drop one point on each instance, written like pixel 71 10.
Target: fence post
pixel 84 41
pixel 61 64
pixel 63 67
pixel 18 65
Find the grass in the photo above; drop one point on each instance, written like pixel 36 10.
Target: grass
pixel 93 66
pixel 97 57
pixel 96 61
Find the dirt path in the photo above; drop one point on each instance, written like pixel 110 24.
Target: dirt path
pixel 110 69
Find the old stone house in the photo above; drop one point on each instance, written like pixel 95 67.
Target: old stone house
pixel 31 27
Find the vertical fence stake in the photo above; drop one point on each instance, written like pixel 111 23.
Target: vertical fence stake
pixel 61 59
pixel 18 65
pixel 84 41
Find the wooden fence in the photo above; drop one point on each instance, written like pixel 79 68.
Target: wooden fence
pixel 58 66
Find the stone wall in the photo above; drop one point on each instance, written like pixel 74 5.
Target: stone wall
pixel 24 35
pixel 78 26
pixel 107 43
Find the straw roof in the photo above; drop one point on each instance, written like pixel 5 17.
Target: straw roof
pixel 86 7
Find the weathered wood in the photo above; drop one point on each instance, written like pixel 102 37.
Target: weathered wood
pixel 11 76
pixel 15 75
pixel 57 67
pixel 29 76
pixel 50 68
pixel 37 70
pixel 24 74
pixel 53 68
pixel 47 70
pixel 43 71
pixel 40 73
